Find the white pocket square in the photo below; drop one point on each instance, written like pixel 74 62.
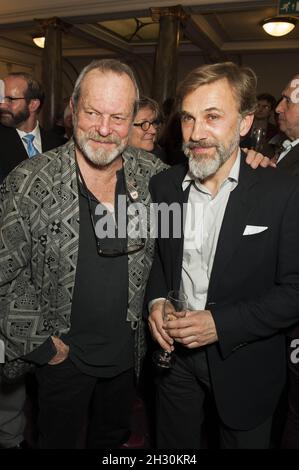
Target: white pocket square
pixel 253 229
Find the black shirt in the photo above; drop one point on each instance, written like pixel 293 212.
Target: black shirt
pixel 100 338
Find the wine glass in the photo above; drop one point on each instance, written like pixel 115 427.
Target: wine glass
pixel 175 306
pixel 258 139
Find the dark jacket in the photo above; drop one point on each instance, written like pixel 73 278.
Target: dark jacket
pixel 253 291
pixel 39 239
pixel 290 163
pixel 13 151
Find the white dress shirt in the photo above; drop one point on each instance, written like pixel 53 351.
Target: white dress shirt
pixel 37 138
pixel 203 223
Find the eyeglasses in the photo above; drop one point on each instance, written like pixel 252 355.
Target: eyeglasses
pixel 108 252
pixel 10 99
pixel 145 125
pixel 113 253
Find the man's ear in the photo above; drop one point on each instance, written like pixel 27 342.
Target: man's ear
pixel 246 124
pixel 34 105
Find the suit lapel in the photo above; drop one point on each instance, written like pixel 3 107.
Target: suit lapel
pixel 242 199
pixel 180 197
pixel 291 159
pixel 18 153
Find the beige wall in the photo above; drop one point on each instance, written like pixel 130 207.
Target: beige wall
pixel 273 70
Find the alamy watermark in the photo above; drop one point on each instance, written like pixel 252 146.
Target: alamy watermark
pixel 295 354
pixel 295 92
pixel 137 220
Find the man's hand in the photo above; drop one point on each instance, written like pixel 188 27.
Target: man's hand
pixel 155 321
pixel 194 330
pixel 256 159
pixel 62 351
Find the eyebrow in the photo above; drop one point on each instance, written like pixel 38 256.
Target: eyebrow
pixel 207 110
pixel 284 96
pixel 90 107
pixel 213 108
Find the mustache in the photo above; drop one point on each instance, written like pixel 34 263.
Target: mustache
pixel 205 144
pixel 110 139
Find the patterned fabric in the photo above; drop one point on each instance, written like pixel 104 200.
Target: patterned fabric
pixel 39 237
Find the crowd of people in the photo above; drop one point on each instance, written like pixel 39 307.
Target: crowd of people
pixel 85 268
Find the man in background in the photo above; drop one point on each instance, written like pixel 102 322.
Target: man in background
pixel 21 135
pixel 288 160
pixel 262 130
pixel 21 138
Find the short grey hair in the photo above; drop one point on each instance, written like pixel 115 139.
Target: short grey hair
pixel 242 80
pixel 146 102
pixel 104 66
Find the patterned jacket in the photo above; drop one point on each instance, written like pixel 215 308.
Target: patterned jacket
pixel 39 237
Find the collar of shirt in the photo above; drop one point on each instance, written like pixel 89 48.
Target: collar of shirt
pixel 287 145
pixel 37 141
pixel 120 188
pixel 233 176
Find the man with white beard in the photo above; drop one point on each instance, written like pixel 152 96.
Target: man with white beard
pixel 71 296
pixel 236 261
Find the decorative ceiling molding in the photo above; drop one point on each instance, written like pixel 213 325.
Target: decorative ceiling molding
pixel 204 26
pixel 197 30
pixel 214 28
pixel 22 48
pixel 19 11
pixel 102 37
pixel 88 52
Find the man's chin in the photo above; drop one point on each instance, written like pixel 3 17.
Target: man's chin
pixel 6 121
pixel 204 154
pixel 103 159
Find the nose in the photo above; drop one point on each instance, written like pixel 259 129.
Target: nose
pixel 199 131
pixel 280 107
pixel 103 126
pixel 152 129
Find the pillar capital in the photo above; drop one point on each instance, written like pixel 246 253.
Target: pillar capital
pixel 54 22
pixel 176 11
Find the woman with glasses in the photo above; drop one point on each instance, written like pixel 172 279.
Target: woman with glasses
pixel 146 127
pixel 262 129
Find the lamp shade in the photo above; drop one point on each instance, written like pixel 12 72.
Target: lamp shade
pixel 279 25
pixel 39 41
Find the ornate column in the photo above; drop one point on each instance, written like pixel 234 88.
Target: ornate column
pixel 165 72
pixel 52 69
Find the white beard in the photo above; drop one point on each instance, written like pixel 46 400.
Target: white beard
pixel 201 167
pixel 99 157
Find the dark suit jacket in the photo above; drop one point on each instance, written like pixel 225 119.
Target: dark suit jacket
pixel 13 151
pixel 290 163
pixel 253 291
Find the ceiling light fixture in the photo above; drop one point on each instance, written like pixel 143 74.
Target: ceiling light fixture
pixel 279 25
pixel 39 41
